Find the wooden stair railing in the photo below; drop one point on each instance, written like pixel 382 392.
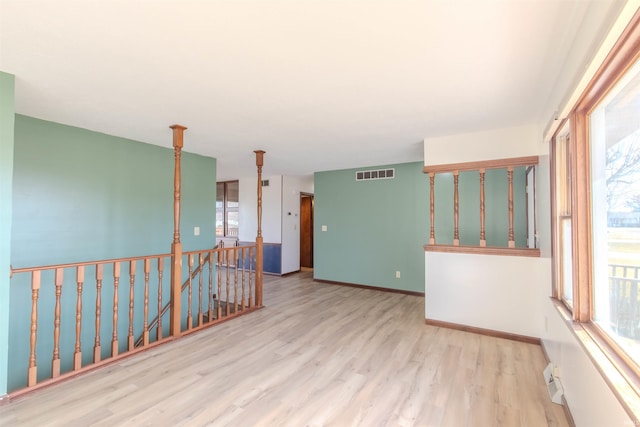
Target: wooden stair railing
pixel 108 284
pixel 154 323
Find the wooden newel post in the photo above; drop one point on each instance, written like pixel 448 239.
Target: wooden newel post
pixel 259 242
pixel 176 246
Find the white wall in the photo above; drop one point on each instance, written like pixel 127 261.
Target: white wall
pixel 494 144
pixel 271 209
pixel 291 188
pixel 502 293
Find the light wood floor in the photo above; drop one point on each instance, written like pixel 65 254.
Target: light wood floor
pixel 317 355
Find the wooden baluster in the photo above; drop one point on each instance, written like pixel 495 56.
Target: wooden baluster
pixel 145 326
pixel 235 279
pixel 219 310
pixel 259 240
pixel 201 261
pixel 114 335
pixel 512 243
pixel 97 348
pixel 483 239
pixel 250 277
pixel 227 300
pixel 211 296
pixel 55 362
pixel 32 372
pixel 432 211
pixel 456 208
pixel 242 298
pixel 190 293
pixel 160 271
pixel 77 355
pixel 132 281
pixel 176 246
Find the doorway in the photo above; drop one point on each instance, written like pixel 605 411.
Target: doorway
pixel 306 230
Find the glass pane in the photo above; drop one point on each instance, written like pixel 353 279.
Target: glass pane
pixel 219 223
pixel 232 223
pixel 566 261
pixel 232 194
pixel 615 172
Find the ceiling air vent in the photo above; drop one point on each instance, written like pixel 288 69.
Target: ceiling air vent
pixel 265 182
pixel 375 174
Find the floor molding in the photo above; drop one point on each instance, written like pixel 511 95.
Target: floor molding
pixel 483 331
pixel 373 288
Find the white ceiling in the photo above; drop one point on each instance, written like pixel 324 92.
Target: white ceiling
pixel 318 84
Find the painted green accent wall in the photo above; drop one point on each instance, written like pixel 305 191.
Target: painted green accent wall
pixel 80 195
pixel 375 227
pixel 378 227
pixel 7 113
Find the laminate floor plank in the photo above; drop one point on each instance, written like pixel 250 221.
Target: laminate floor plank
pixel 316 355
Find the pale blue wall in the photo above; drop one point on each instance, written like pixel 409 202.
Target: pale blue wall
pixel 79 196
pixel 375 227
pixel 7 84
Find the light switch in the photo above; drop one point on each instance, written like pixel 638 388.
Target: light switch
pixel 324 228
pixel 196 231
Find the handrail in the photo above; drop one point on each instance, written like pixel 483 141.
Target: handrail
pixel 84 263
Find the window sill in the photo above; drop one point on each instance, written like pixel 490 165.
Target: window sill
pixel 483 250
pixel 623 382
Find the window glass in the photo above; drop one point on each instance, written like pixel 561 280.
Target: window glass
pixel 615 200
pixel 227 208
pixel 564 244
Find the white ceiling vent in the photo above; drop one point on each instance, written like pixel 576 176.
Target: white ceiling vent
pixel 375 174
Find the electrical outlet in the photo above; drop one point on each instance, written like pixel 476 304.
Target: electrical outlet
pixel 324 228
pixel 196 231
pixel 397 274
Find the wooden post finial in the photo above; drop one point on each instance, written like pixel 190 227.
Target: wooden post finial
pixel 178 135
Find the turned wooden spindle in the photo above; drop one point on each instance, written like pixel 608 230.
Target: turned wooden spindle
pixel 259 241
pixel 201 263
pixel 456 209
pixel 77 354
pixel 55 362
pixel 220 254
pixel 235 279
pixel 32 373
pixel 160 273
pixel 432 211
pixel 190 293
pixel 211 296
pixel 97 348
pixel 176 246
pixel 512 243
pixel 250 260
pixel 114 335
pixel 242 255
pixel 227 260
pixel 145 326
pixel 132 281
pixel 483 239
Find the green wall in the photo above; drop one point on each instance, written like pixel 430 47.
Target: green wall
pixel 378 227
pixel 7 84
pixel 80 195
pixel 374 228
